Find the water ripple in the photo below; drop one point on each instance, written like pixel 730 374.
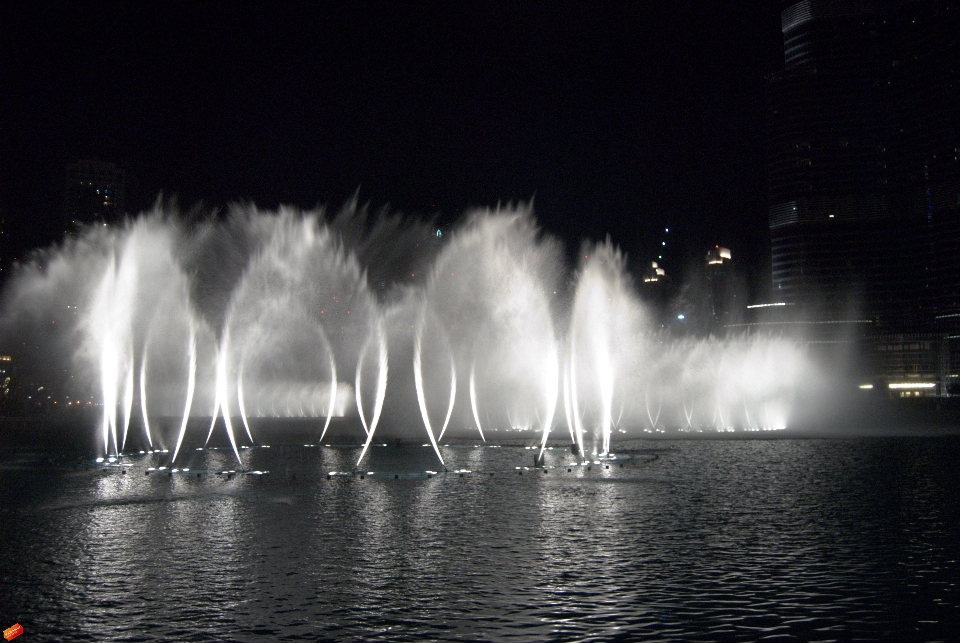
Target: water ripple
pixel 780 540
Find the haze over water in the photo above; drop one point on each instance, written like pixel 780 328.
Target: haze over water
pixel 482 333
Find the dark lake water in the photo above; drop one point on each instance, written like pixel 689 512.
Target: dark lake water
pixel 688 540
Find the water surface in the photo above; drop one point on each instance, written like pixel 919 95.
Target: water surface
pixel 687 540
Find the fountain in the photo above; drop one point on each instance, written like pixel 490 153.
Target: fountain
pixel 294 315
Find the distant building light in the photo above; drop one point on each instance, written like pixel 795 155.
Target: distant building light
pixel 717 255
pixel 866 386
pixel 911 385
pixel 779 303
pixel 681 317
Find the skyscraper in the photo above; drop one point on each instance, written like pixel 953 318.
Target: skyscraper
pixel 863 160
pixel 94 193
pixel 725 297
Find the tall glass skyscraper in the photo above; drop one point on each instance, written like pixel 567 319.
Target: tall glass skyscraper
pixel 94 193
pixel 863 160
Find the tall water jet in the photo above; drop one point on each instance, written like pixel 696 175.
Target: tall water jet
pixel 358 388
pixel 551 384
pixel 383 364
pixel 297 318
pixel 222 394
pixel 191 388
pixel 127 398
pixel 418 382
pixel 453 397
pixel 567 409
pixel 574 397
pixel 265 310
pixel 473 400
pixel 111 323
pixel 241 404
pixel 143 398
pixel 605 328
pixel 333 383
pixel 491 295
pixel 108 379
pixel 653 415
pixel 215 414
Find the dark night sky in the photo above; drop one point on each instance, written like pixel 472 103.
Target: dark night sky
pixel 620 118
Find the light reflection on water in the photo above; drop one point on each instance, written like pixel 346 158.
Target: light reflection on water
pixel 688 540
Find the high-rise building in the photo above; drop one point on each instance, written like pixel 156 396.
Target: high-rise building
pixel 94 194
pixel 723 293
pixel 924 83
pixel 863 160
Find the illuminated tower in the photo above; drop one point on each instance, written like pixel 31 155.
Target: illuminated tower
pixel 722 291
pixel 863 160
pixel 826 162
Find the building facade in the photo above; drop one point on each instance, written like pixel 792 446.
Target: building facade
pixel 94 193
pixel 863 160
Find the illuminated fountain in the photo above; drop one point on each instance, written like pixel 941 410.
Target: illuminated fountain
pixel 276 315
pixel 605 342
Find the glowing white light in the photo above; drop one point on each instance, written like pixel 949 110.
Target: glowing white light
pixel 681 316
pixel 333 380
pixel 99 459
pixel 866 386
pixel 911 385
pixel 473 401
pixel 191 385
pixel 241 405
pixel 418 381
